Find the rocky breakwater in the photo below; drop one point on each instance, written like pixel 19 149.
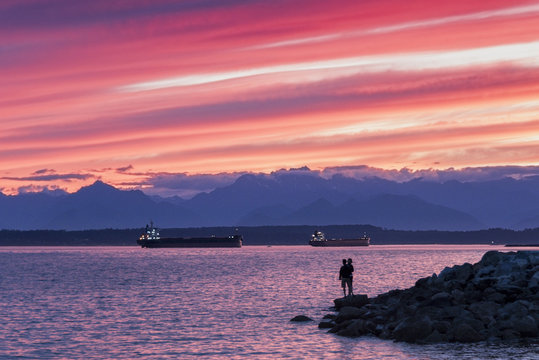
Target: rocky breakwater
pixel 494 299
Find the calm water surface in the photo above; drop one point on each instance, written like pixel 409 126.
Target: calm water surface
pixel 125 303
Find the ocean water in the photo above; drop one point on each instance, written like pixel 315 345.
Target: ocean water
pixel 129 303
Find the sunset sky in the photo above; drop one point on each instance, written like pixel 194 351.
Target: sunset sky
pixel 132 92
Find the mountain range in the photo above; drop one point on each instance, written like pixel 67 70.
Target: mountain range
pixel 288 199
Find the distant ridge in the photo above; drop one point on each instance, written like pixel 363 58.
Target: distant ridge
pixel 302 198
pixel 97 206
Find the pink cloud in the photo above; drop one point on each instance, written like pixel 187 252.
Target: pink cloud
pixel 266 85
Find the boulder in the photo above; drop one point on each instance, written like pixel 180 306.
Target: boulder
pixel 442 327
pixel 446 274
pixel 354 301
pixel 485 271
pixel 526 326
pixel 533 284
pixel 339 327
pixel 491 258
pixel 484 308
pixel 354 328
pixel 326 324
pixel 413 330
pixel 436 337
pixel 517 308
pixel 505 268
pixel 496 297
pixel 510 335
pixel 348 313
pixel 301 318
pixel 457 296
pixel 463 332
pixel 463 272
pixel 440 299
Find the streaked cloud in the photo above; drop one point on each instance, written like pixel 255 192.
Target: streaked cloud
pixel 526 54
pixel 165 95
pixel 465 174
pixel 50 177
pixel 482 15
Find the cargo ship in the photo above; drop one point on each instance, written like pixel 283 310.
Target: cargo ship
pixel 319 239
pixel 151 239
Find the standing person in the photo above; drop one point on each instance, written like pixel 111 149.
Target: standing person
pixel 344 276
pixel 351 270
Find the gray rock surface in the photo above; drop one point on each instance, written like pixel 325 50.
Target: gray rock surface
pixel 494 299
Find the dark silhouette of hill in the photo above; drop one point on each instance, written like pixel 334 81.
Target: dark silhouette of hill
pixel 529 223
pixel 403 212
pixel 96 206
pixel 496 203
pixel 229 204
pixel 266 215
pixel 288 198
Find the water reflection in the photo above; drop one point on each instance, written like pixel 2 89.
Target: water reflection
pixel 126 303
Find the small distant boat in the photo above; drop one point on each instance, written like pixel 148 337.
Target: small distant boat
pixel 151 239
pixel 319 239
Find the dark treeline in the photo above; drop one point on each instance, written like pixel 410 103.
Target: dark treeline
pixel 270 235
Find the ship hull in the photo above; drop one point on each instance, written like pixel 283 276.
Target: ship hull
pixel 211 242
pixel 340 242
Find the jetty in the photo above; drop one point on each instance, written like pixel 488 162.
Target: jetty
pixel 496 299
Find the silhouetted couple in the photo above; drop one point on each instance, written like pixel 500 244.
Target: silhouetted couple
pixel 346 276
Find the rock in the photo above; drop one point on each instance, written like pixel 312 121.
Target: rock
pixel 326 324
pixel 339 327
pixel 354 300
pixel 423 282
pixel 505 268
pixel 517 308
pixel 442 327
pixel 491 258
pixel 485 271
pixel 463 272
pixel 510 334
pixel 348 313
pixel 301 318
pixel 354 328
pixel 473 296
pixel 533 256
pixel 436 337
pixel 476 324
pixel 533 284
pixel 447 274
pixel 440 299
pixel 484 308
pixel 453 312
pixel 484 283
pixel 497 298
pixel 465 333
pixel 457 296
pixel 525 325
pixel 413 330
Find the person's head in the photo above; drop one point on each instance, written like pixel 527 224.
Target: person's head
pixel 344 261
pixel 349 260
